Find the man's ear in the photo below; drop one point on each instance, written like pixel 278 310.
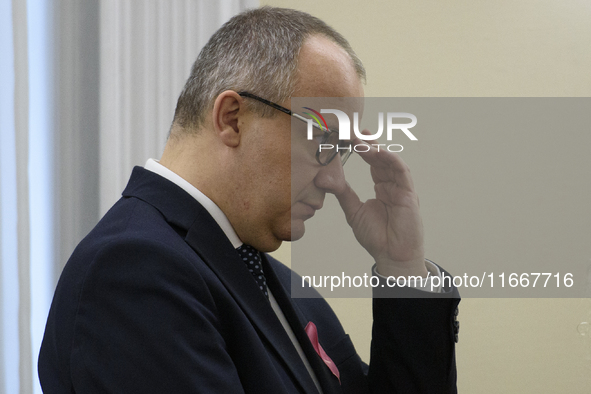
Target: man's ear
pixel 226 110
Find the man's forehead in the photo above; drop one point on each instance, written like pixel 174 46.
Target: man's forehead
pixel 326 70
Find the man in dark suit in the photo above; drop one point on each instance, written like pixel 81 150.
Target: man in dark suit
pixel 169 294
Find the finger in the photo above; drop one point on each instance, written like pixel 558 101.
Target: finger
pixel 349 202
pixel 385 166
pixel 379 155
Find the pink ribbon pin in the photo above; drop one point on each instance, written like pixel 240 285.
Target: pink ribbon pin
pixel 313 335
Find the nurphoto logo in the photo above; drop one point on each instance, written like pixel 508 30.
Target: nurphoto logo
pixel 345 129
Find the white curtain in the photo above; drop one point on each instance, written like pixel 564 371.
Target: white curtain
pixel 87 91
pixel 147 48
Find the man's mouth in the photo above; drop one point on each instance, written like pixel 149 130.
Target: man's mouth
pixel 308 209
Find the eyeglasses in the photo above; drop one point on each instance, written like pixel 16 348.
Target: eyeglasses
pixel 330 137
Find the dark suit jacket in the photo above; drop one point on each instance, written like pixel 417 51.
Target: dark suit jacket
pixel 156 300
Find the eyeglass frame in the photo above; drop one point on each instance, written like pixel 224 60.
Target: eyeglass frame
pixel 327 132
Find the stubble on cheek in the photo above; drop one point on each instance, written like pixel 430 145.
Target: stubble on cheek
pixel 245 205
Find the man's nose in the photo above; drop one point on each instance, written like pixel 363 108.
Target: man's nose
pixel 331 177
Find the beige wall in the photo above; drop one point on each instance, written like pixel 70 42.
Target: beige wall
pixel 478 48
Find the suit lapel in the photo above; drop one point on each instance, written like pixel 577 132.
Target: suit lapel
pixel 209 241
pixel 296 320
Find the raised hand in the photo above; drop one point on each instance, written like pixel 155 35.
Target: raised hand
pixel 388 226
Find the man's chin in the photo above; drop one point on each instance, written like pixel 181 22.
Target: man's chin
pixel 298 228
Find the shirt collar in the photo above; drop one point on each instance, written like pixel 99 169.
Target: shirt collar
pixel 211 207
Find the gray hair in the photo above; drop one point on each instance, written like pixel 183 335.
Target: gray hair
pixel 255 51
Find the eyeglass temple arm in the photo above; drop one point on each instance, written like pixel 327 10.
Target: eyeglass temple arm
pixel 319 127
pixel 262 100
pixel 282 109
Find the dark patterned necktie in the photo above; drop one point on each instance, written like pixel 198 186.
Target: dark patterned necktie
pixel 252 258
